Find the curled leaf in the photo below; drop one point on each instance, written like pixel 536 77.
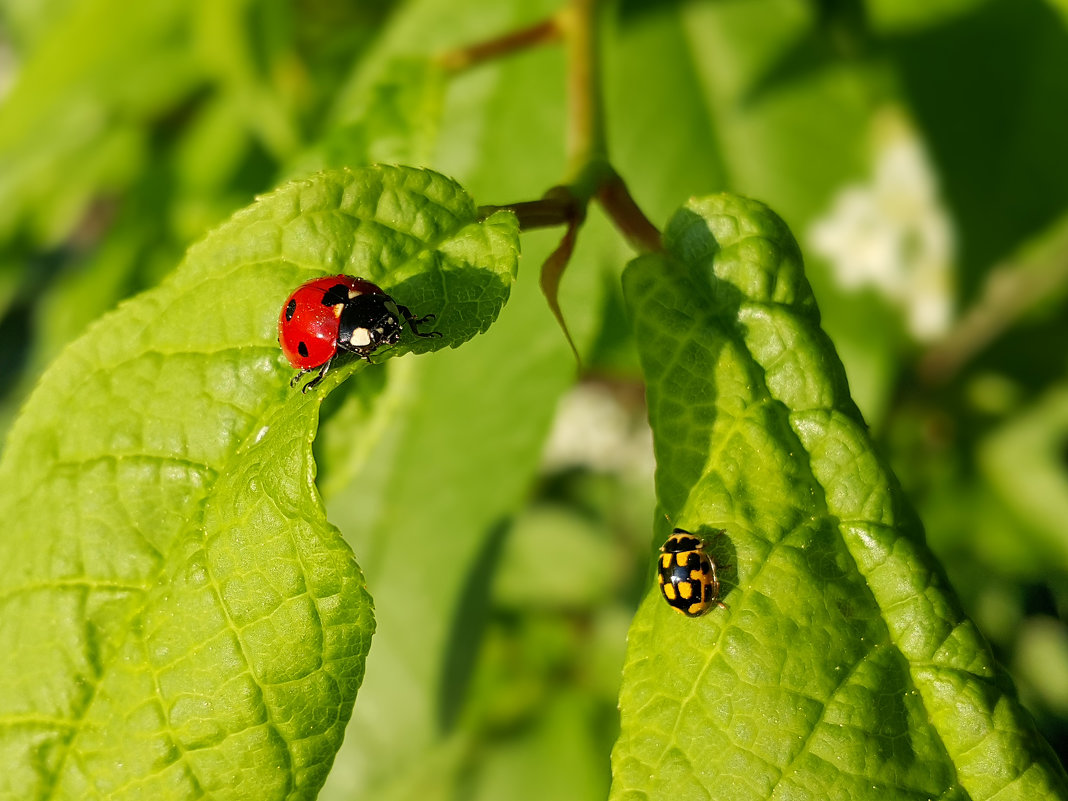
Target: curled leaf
pixel 178 618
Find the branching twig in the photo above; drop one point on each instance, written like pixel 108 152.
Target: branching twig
pixel 589 173
pixel 617 202
pixel 586 141
pixel 558 207
pixel 462 58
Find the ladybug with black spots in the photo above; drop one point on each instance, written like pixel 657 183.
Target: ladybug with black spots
pixel 337 313
pixel 687 575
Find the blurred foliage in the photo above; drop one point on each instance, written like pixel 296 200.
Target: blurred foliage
pixel 127 131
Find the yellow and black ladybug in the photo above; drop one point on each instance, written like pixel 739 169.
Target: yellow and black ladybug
pixel 687 575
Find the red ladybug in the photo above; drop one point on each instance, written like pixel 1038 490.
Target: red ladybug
pixel 338 312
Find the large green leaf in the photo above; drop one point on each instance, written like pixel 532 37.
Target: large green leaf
pixel 1024 462
pixel 843 666
pixel 463 431
pixel 179 618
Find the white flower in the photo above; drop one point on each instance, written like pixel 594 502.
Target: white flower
pixel 593 429
pixel 894 234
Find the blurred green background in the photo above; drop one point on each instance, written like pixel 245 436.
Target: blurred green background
pixel 917 148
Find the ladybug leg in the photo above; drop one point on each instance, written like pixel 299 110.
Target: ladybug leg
pixel 719 585
pixel 414 321
pixel 315 381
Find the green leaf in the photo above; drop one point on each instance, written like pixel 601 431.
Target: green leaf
pixel 393 119
pixel 902 16
pixel 1024 463
pixel 1060 6
pixel 843 666
pixel 179 618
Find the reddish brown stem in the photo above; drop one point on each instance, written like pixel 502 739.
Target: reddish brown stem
pixel 590 174
pixel 617 202
pixel 462 58
pixel 558 207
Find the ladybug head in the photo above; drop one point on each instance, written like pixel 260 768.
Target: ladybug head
pixel 367 323
pixel 681 541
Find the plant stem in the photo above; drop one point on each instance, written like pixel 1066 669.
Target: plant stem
pixel 589 173
pixel 462 58
pixel 586 141
pixel 617 202
pixel 558 207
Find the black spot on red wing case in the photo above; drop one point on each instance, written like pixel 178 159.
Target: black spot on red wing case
pixel 291 309
pixel 302 349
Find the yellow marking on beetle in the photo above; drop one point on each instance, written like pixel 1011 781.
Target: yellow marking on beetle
pixel 665 560
pixel 686 590
pixel 669 591
pixel 680 558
